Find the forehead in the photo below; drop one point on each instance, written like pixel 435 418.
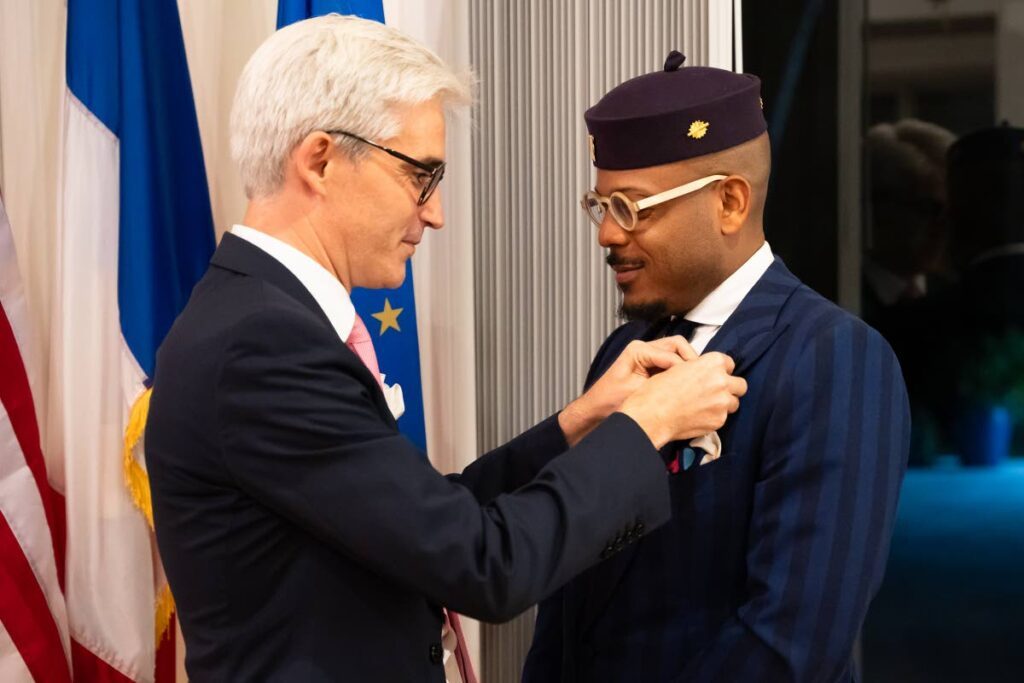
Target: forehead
pixel 650 180
pixel 422 129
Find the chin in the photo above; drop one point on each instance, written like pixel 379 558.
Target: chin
pixel 389 279
pixel 395 279
pixel 636 309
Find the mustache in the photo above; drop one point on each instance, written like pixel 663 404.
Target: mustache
pixel 613 259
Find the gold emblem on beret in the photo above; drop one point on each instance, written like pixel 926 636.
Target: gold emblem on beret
pixel 590 142
pixel 698 129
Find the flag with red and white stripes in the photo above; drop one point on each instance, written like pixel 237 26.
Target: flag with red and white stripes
pixel 34 640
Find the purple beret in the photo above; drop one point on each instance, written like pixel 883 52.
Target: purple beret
pixel 674 114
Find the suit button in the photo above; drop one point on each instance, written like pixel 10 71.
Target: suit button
pixel 436 654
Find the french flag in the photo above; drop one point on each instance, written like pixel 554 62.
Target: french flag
pixel 134 234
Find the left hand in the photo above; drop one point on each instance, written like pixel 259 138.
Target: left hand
pixel 637 363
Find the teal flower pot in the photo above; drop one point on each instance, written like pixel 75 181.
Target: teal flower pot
pixel 984 434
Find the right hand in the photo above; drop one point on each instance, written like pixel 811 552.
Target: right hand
pixel 688 400
pixel 634 366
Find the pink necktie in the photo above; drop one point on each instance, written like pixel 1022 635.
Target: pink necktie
pixel 461 653
pixel 361 344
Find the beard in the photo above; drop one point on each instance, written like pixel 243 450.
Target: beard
pixel 648 311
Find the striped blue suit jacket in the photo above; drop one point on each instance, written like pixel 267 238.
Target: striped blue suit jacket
pixel 775 550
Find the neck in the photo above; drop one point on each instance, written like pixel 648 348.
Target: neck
pixel 747 244
pixel 281 219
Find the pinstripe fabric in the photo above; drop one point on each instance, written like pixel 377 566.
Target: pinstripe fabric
pixel 775 550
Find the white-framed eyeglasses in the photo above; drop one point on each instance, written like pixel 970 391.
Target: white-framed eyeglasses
pixel 624 210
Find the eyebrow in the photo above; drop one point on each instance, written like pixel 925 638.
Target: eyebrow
pixel 429 161
pixel 627 190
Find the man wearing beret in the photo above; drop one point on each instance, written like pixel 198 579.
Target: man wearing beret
pixel 782 519
pixel 304 537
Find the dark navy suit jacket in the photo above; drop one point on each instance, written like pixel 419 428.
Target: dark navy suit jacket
pixel 775 549
pixel 306 540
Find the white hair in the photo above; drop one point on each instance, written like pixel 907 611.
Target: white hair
pixel 330 73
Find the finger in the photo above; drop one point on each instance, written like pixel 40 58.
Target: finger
pixel 727 363
pixel 654 358
pixel 723 360
pixel 734 404
pixel 632 349
pixel 737 386
pixel 677 344
pixel 628 357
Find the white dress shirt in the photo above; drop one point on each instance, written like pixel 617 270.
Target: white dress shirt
pixel 326 289
pixel 711 313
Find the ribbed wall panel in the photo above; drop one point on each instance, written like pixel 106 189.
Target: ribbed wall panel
pixel 544 300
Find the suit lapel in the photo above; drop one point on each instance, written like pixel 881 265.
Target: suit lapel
pixel 745 336
pixel 754 325
pixel 238 255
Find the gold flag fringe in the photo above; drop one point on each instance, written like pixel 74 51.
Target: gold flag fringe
pixel 137 481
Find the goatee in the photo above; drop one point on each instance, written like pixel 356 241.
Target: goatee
pixel 649 311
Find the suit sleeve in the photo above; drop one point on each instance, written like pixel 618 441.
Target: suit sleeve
pixel 514 464
pixel 300 434
pixel 834 455
pixel 508 467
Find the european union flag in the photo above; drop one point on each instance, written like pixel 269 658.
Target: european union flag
pixel 389 314
pixel 290 11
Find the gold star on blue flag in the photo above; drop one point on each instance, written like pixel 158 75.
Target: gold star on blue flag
pixel 388 317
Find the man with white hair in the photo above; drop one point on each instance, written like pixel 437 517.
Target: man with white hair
pixel 304 538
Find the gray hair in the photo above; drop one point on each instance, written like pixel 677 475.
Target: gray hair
pixel 329 73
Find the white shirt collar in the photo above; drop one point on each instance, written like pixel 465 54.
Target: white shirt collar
pixel 717 306
pixel 326 289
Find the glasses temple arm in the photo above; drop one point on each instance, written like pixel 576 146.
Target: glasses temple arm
pixel 665 196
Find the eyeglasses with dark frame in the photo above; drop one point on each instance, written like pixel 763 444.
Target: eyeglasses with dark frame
pixel 436 171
